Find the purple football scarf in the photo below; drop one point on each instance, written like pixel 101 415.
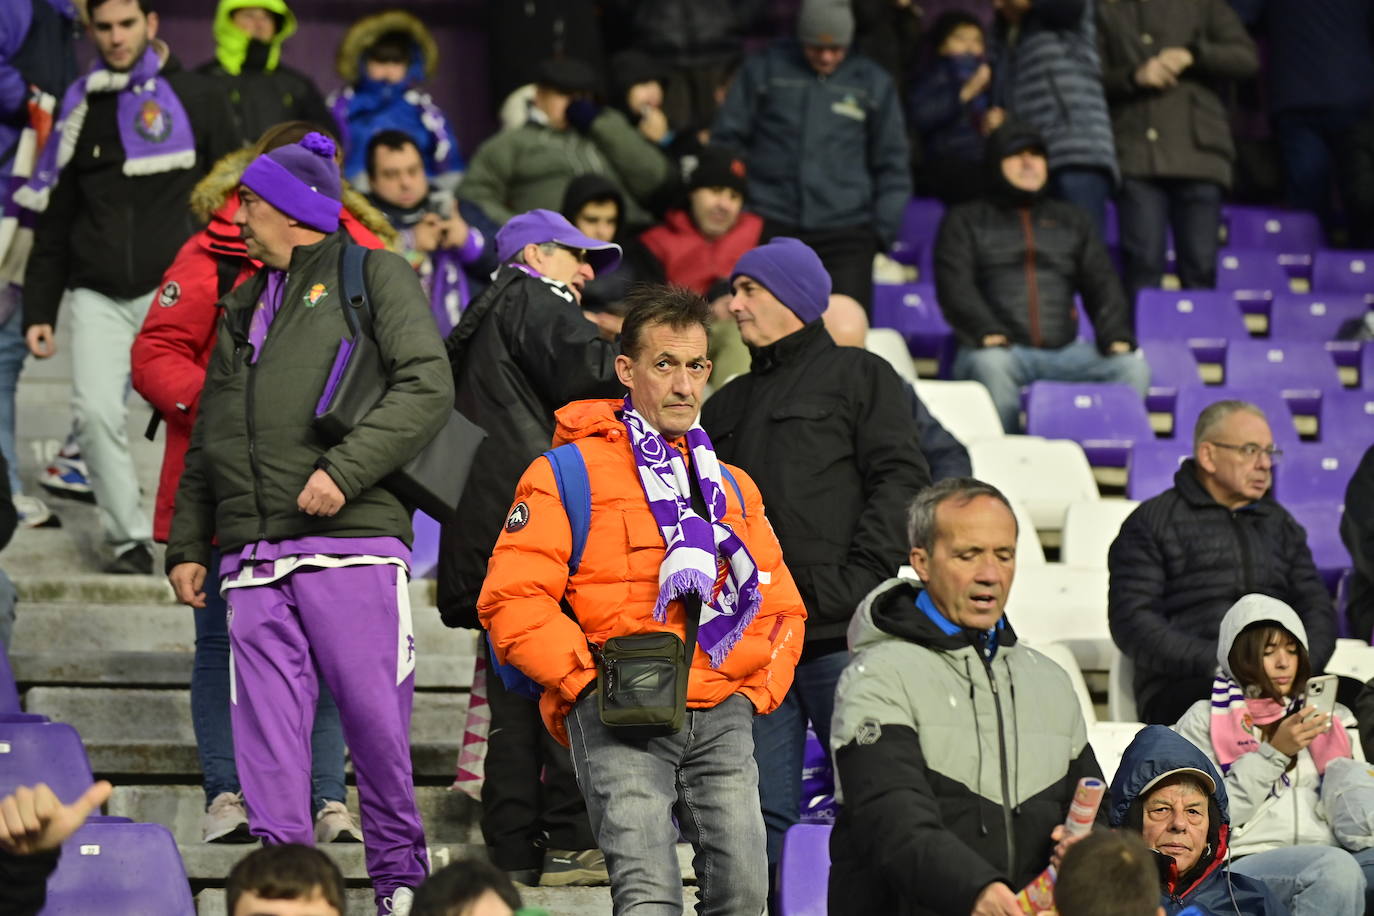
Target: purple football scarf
pixel 699 553
pixel 153 127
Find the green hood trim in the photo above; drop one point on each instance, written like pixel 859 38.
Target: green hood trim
pixel 231 42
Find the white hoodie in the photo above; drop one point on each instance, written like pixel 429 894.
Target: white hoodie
pixel 1266 814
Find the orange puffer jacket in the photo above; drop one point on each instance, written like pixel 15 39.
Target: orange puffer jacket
pixel 616 585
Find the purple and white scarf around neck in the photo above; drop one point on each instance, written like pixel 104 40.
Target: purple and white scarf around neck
pixel 699 552
pixel 153 127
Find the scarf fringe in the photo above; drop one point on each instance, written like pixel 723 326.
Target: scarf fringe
pixel 29 199
pixel 166 162
pixel 680 583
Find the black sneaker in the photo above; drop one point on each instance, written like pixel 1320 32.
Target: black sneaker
pixel 136 561
pixel 574 868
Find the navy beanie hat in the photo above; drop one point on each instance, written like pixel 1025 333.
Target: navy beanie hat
pixel 792 272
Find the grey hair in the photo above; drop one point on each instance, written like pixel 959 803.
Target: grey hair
pixel 546 247
pixel 920 517
pixel 1213 415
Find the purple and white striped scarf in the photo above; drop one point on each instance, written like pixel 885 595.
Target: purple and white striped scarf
pixel 154 129
pixel 700 554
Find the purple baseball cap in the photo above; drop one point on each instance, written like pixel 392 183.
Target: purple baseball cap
pixel 540 226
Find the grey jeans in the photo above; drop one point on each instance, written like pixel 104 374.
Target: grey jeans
pixel 706 776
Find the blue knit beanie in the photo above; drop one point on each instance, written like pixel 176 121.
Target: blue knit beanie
pixel 792 272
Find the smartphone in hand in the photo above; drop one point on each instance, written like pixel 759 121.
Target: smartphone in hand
pixel 1321 694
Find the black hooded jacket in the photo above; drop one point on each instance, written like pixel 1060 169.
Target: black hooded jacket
pixel 606 292
pixel 522 350
pixel 1010 263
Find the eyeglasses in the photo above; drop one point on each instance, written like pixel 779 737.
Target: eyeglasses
pixel 1250 451
pixel 579 253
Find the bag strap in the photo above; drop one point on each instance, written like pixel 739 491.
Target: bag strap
pixel 734 485
pixel 226 272
pixel 353 281
pixel 575 492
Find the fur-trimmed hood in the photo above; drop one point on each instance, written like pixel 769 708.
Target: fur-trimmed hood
pixel 211 195
pixel 363 33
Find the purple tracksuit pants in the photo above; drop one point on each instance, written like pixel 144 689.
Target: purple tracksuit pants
pixel 350 625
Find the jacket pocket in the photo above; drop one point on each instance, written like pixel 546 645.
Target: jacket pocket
pixel 1211 129
pixel 803 410
pixel 644 546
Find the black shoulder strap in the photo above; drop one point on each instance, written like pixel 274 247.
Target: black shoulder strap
pixel 353 282
pixel 226 272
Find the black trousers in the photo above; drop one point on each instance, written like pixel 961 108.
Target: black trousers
pixel 846 253
pixel 1147 210
pixel 1162 700
pixel 530 799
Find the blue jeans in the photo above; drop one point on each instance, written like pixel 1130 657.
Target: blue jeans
pixel 13 351
pixel 1087 188
pixel 705 775
pixel 1003 370
pixel 1309 880
pixel 780 741
pixel 1148 208
pixel 1310 142
pixel 210 710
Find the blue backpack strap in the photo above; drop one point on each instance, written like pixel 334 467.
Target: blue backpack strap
pixel 575 492
pixel 356 306
pixel 739 494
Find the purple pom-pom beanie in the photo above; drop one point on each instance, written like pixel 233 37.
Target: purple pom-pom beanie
pixel 792 272
pixel 301 180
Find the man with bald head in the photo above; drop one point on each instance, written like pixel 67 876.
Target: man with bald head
pixel 1184 557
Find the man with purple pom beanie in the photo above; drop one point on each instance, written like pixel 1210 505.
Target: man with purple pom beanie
pixel 315 549
pixel 828 434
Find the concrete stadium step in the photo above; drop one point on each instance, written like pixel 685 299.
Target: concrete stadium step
pixel 560 901
pixel 449 817
pixel 146 735
pixel 153 644
pixel 211 862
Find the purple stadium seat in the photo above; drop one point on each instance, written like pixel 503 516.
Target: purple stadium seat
pixel 1316 472
pixel 1301 369
pixel 49 752
pixel 1287 231
pixel 1207 319
pixel 1172 366
pixel 916 237
pixel 1153 465
pixel 1106 419
pixel 1250 269
pixel 120 869
pixel 1343 272
pixel 1191 402
pixel 804 870
pixel 1321 520
pixel 1312 316
pixel 818 783
pixel 9 693
pixel 911 310
pixel 1347 418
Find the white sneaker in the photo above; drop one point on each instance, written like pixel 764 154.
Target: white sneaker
pixel 398 904
pixel 335 825
pixel 226 821
pixel 34 513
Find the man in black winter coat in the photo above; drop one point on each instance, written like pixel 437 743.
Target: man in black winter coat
pixel 1007 267
pixel 522 350
pixel 1184 557
pixel 828 434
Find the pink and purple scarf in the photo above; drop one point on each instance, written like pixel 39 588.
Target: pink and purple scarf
pixel 703 557
pixel 153 127
pixel 1234 716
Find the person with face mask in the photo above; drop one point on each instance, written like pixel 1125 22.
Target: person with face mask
pixel 1272 748
pixel 948 106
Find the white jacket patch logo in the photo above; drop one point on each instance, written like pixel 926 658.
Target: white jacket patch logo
pixel 868 732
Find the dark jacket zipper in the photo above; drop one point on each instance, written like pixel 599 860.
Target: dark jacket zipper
pixel 1032 286
pixel 1002 756
pixel 1245 562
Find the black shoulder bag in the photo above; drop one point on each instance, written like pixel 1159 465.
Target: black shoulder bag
pixel 434 479
pixel 641 680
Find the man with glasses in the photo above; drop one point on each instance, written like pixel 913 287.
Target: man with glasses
pixel 1184 557
pixel 521 350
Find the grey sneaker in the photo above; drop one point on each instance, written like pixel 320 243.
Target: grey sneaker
pixel 335 825
pixel 34 513
pixel 398 904
pixel 574 868
pixel 226 821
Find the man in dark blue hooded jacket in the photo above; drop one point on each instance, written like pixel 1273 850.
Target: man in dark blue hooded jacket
pixel 1168 790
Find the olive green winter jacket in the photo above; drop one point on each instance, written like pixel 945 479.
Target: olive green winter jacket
pixel 254 447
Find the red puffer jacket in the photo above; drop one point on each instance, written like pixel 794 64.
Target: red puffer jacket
pixel 171 350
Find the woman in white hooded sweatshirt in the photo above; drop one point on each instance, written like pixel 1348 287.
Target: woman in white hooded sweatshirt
pixel 1259 731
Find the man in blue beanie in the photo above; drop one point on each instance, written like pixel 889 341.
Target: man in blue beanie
pixel 315 549
pixel 827 433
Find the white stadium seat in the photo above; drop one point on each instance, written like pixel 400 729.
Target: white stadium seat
pixel 890 345
pixel 963 408
pixel 1047 475
pixel 1089 529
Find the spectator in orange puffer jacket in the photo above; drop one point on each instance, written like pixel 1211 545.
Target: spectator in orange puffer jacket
pixel 654 480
